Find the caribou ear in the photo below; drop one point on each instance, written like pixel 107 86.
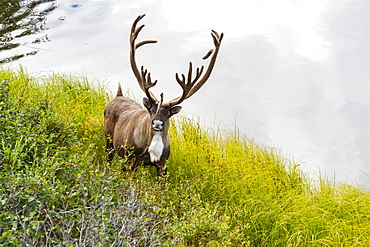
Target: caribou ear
pixel 175 110
pixel 147 103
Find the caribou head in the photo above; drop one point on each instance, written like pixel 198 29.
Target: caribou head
pixel 142 134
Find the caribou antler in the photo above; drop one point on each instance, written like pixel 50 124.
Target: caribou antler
pixel 142 76
pixel 191 86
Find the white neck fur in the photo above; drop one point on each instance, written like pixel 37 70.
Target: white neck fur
pixel 156 147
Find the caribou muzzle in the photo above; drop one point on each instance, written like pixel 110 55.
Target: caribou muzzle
pixel 157 125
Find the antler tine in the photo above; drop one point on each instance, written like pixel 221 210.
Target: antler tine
pixel 143 79
pixel 192 86
pixel 190 72
pixel 160 104
pixel 199 73
pixel 133 28
pixel 186 86
pixel 217 42
pixel 148 84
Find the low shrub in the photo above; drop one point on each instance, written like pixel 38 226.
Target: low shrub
pixel 221 189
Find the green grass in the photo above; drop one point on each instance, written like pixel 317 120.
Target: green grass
pixel 221 190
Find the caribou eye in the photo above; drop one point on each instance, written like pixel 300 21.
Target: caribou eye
pixel 153 110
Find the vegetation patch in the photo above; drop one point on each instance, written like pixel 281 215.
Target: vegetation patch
pixel 221 190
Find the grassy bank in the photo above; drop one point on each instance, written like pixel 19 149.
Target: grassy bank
pixel 221 190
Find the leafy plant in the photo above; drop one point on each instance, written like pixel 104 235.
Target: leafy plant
pixel 221 190
pixel 52 191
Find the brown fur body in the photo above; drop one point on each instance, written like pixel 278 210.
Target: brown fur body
pixel 129 132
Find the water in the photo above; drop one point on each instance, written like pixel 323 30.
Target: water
pixel 290 74
pixel 22 23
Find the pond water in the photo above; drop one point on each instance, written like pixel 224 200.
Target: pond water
pixel 290 74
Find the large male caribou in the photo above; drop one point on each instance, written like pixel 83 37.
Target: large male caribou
pixel 141 135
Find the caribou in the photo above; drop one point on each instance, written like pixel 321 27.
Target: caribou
pixel 141 134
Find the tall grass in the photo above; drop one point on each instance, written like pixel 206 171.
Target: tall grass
pixel 267 200
pixel 222 189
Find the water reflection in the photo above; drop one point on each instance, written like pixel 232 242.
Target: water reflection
pixel 22 21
